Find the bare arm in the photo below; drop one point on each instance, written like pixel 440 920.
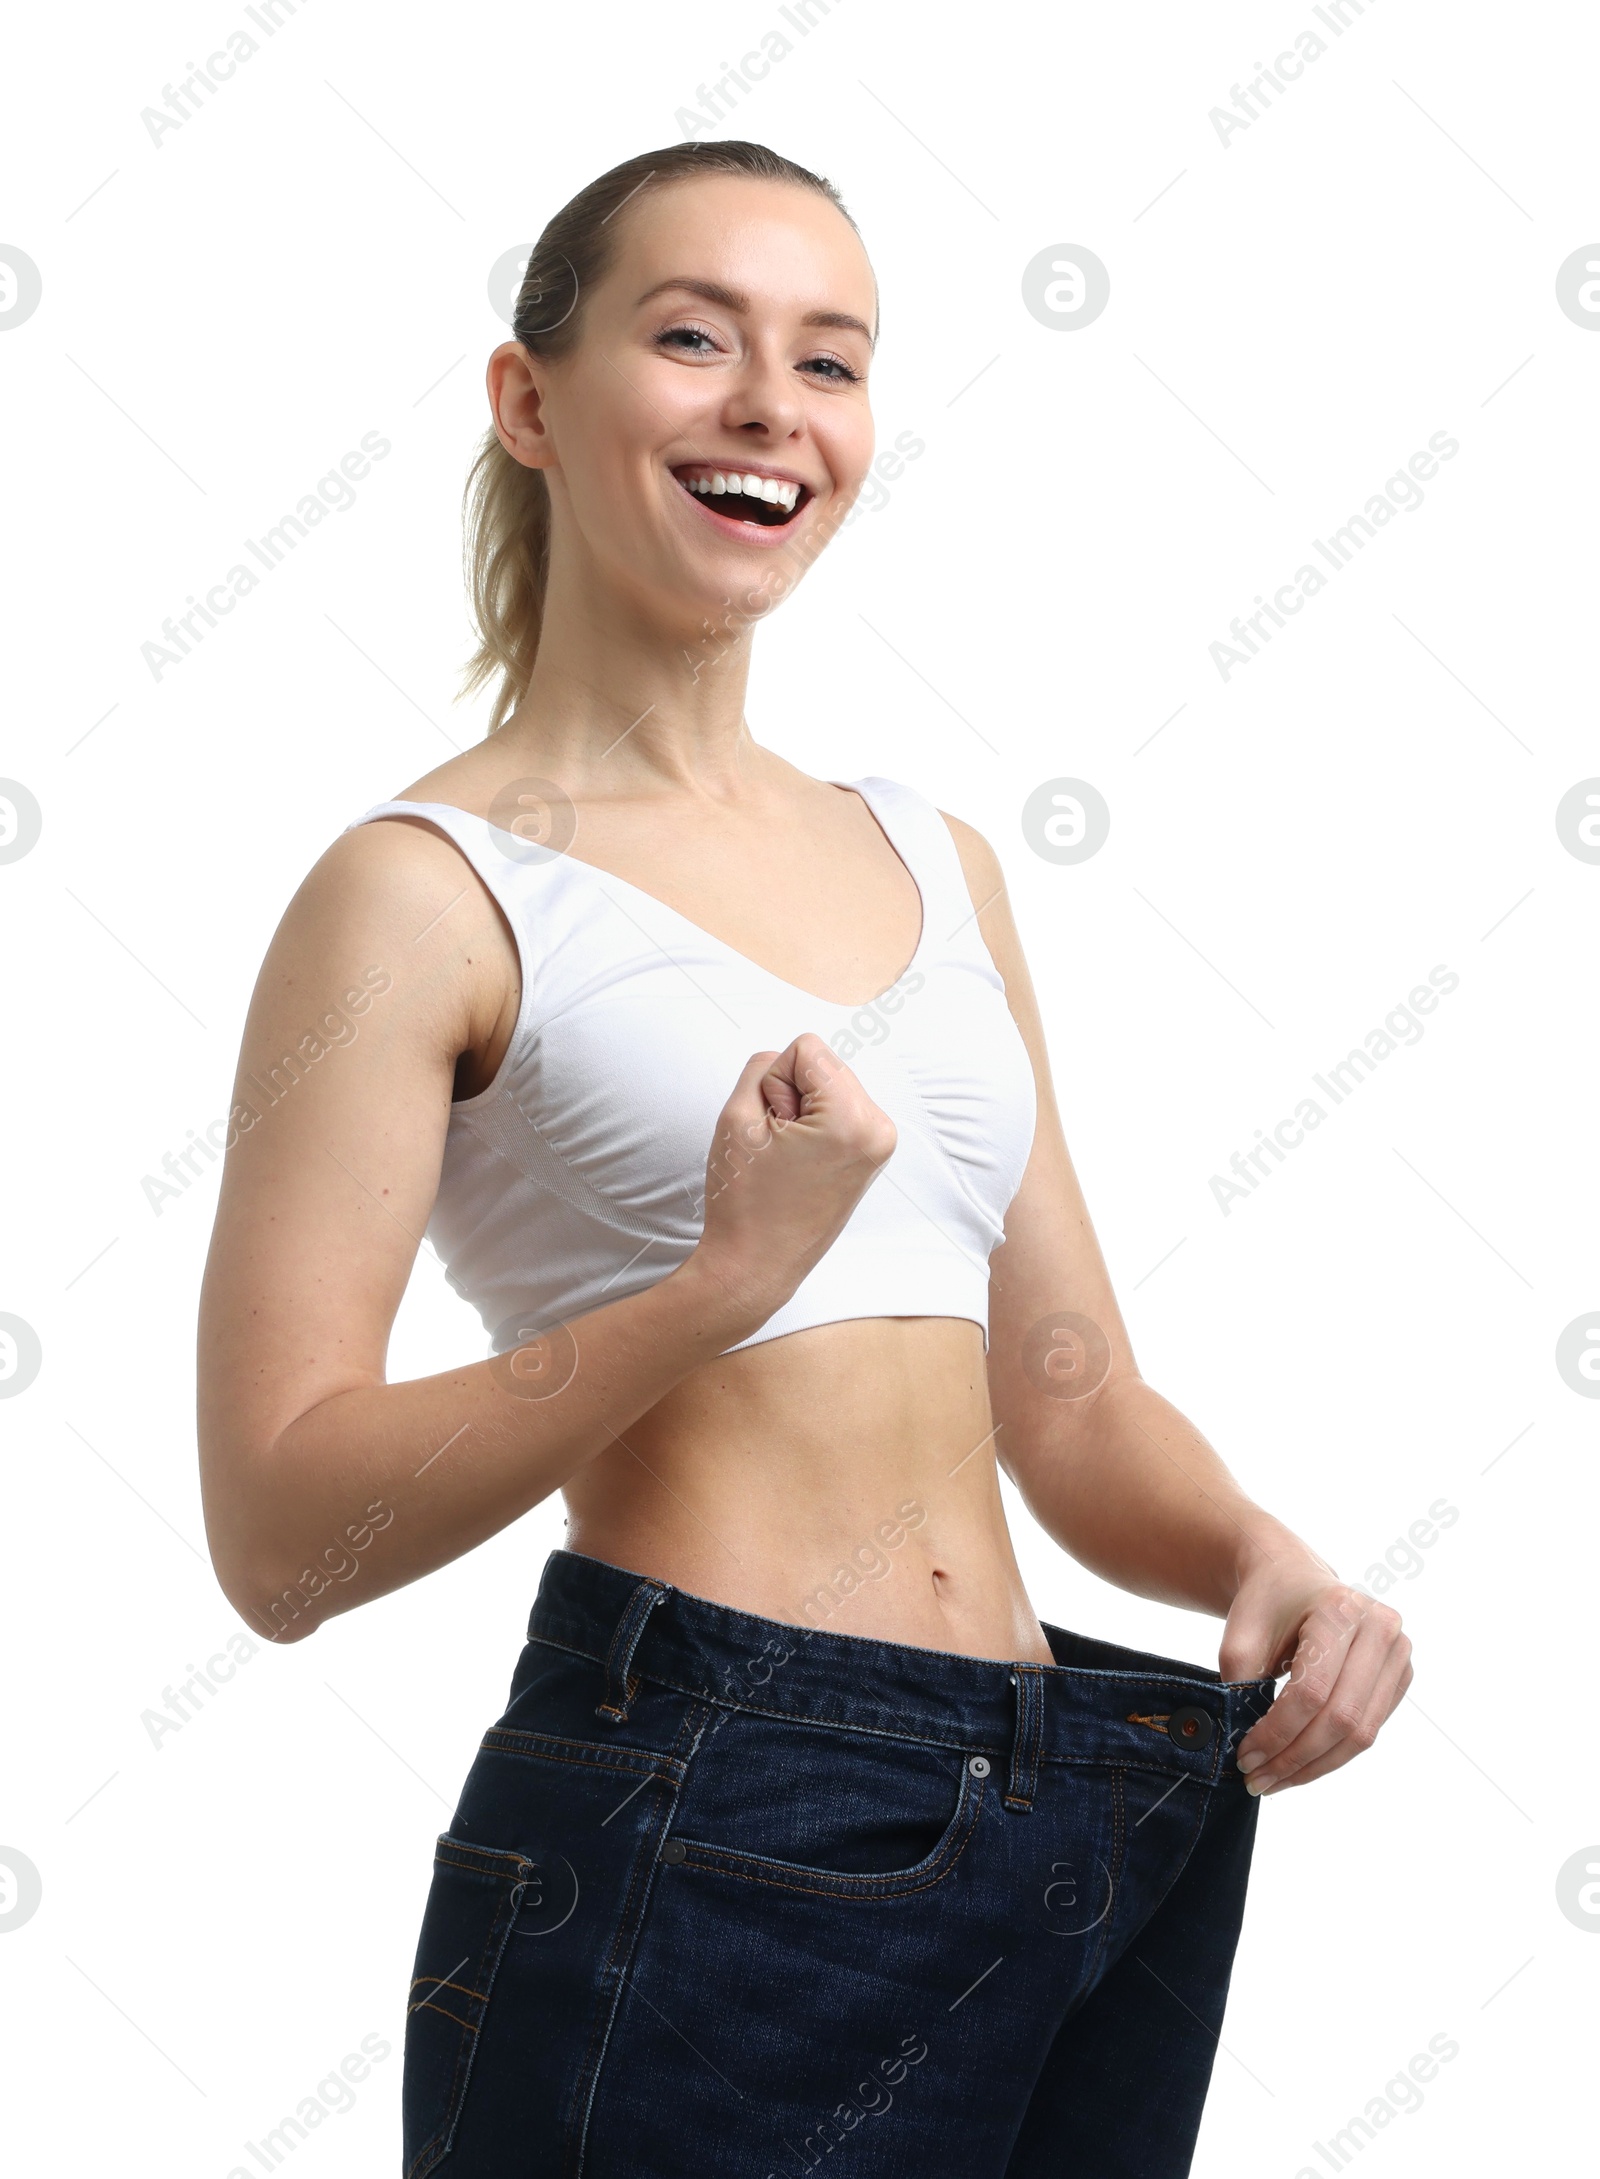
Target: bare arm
pixel 324 1485
pixel 1118 1477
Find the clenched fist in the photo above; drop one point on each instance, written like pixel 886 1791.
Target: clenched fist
pixel 796 1147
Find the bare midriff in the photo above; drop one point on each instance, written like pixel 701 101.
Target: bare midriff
pixel 843 1477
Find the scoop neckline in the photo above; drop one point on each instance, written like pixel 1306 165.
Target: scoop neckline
pixel 598 873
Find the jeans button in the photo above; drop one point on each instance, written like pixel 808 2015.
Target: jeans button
pixel 979 1766
pixel 1191 1727
pixel 674 1850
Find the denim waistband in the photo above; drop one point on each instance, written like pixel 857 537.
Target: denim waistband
pixel 1098 1702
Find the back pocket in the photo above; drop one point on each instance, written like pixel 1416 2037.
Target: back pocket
pixel 472 1904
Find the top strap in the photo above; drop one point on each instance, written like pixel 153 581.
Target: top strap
pixel 926 846
pixel 493 854
pixel 472 834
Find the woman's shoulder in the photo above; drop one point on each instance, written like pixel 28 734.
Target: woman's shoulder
pixel 386 871
pixel 397 895
pixel 389 865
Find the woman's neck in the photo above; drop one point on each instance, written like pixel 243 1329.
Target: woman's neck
pixel 632 713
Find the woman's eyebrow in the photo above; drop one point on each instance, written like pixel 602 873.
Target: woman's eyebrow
pixel 712 291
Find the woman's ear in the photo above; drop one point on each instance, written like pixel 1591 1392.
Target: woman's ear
pixel 516 381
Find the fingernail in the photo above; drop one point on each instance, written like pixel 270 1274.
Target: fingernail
pixel 1257 1785
pixel 1250 1758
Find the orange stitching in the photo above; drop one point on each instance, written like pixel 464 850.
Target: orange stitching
pixel 467 2041
pixel 1157 1721
pixel 426 2007
pixel 478 1996
pixel 473 1868
pixel 494 1855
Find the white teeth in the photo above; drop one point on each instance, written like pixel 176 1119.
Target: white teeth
pixel 774 490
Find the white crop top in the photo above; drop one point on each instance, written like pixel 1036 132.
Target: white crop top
pixel 578 1176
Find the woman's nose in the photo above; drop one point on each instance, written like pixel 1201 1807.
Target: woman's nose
pixel 764 395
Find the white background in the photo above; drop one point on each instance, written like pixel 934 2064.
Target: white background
pixel 1292 315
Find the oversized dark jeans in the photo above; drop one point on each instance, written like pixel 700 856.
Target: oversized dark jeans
pixel 733 1898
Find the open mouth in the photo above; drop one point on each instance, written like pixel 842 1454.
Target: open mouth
pixel 768 503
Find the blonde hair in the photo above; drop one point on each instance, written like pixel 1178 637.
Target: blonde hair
pixel 506 505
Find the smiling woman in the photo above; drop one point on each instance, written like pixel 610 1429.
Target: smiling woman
pixel 682 328
pixel 720 1091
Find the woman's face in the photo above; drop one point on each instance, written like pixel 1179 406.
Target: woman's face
pixel 730 340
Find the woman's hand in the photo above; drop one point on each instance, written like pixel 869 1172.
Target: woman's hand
pixel 795 1149
pixel 1348 1663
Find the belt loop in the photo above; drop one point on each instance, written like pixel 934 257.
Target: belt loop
pixel 618 1691
pixel 1028 1736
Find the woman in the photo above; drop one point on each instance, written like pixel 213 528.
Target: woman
pixel 799 1827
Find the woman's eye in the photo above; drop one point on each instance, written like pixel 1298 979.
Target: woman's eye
pixel 840 369
pixel 687 339
pixel 683 333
